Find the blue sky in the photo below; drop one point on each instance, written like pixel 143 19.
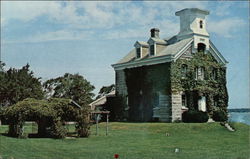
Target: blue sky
pixel 87 37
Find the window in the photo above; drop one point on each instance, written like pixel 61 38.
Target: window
pixel 214 74
pixel 201 47
pixel 184 100
pixel 138 52
pixel 184 71
pixel 215 101
pixel 199 73
pixel 201 24
pixel 152 50
pixel 202 104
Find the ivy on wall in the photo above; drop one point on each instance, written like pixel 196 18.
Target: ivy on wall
pixel 213 86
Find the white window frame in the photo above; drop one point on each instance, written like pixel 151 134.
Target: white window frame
pixel 199 73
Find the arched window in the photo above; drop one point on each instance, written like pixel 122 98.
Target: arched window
pixel 201 47
pixel 201 24
pixel 183 71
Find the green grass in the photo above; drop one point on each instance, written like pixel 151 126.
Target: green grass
pixel 137 141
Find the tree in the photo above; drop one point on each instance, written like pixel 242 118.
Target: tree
pixel 105 90
pixel 18 84
pixel 74 87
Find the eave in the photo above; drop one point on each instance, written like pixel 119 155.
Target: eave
pixel 144 62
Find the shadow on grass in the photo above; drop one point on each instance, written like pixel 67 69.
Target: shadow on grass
pixel 35 135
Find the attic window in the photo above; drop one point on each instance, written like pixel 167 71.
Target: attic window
pixel 201 47
pixel 152 50
pixel 138 52
pixel 201 24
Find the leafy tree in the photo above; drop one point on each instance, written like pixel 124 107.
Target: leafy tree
pixel 74 87
pixel 105 90
pixel 18 84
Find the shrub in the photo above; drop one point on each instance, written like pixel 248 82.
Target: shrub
pixel 194 117
pixel 219 115
pixel 50 116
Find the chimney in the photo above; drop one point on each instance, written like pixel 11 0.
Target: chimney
pixel 155 33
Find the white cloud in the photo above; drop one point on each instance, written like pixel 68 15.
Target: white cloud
pixel 226 27
pixel 26 10
pixel 54 36
pixel 122 19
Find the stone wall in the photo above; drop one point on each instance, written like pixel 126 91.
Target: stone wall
pixel 176 106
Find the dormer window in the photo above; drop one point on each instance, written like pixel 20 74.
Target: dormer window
pixel 138 52
pixel 152 50
pixel 201 24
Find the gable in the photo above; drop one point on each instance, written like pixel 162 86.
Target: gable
pixel 187 53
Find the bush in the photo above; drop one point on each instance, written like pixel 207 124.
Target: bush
pixel 194 117
pixel 50 116
pixel 219 115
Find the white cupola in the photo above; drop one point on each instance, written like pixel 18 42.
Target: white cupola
pixel 193 24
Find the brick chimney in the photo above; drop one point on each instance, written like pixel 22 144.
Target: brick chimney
pixel 155 33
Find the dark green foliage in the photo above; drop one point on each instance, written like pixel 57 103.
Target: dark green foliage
pixel 219 115
pixel 50 116
pixel 83 124
pixel 194 117
pixel 18 84
pixel 117 108
pixel 74 87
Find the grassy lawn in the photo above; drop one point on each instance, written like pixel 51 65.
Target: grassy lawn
pixel 137 141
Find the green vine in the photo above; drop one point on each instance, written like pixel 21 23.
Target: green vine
pixel 212 86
